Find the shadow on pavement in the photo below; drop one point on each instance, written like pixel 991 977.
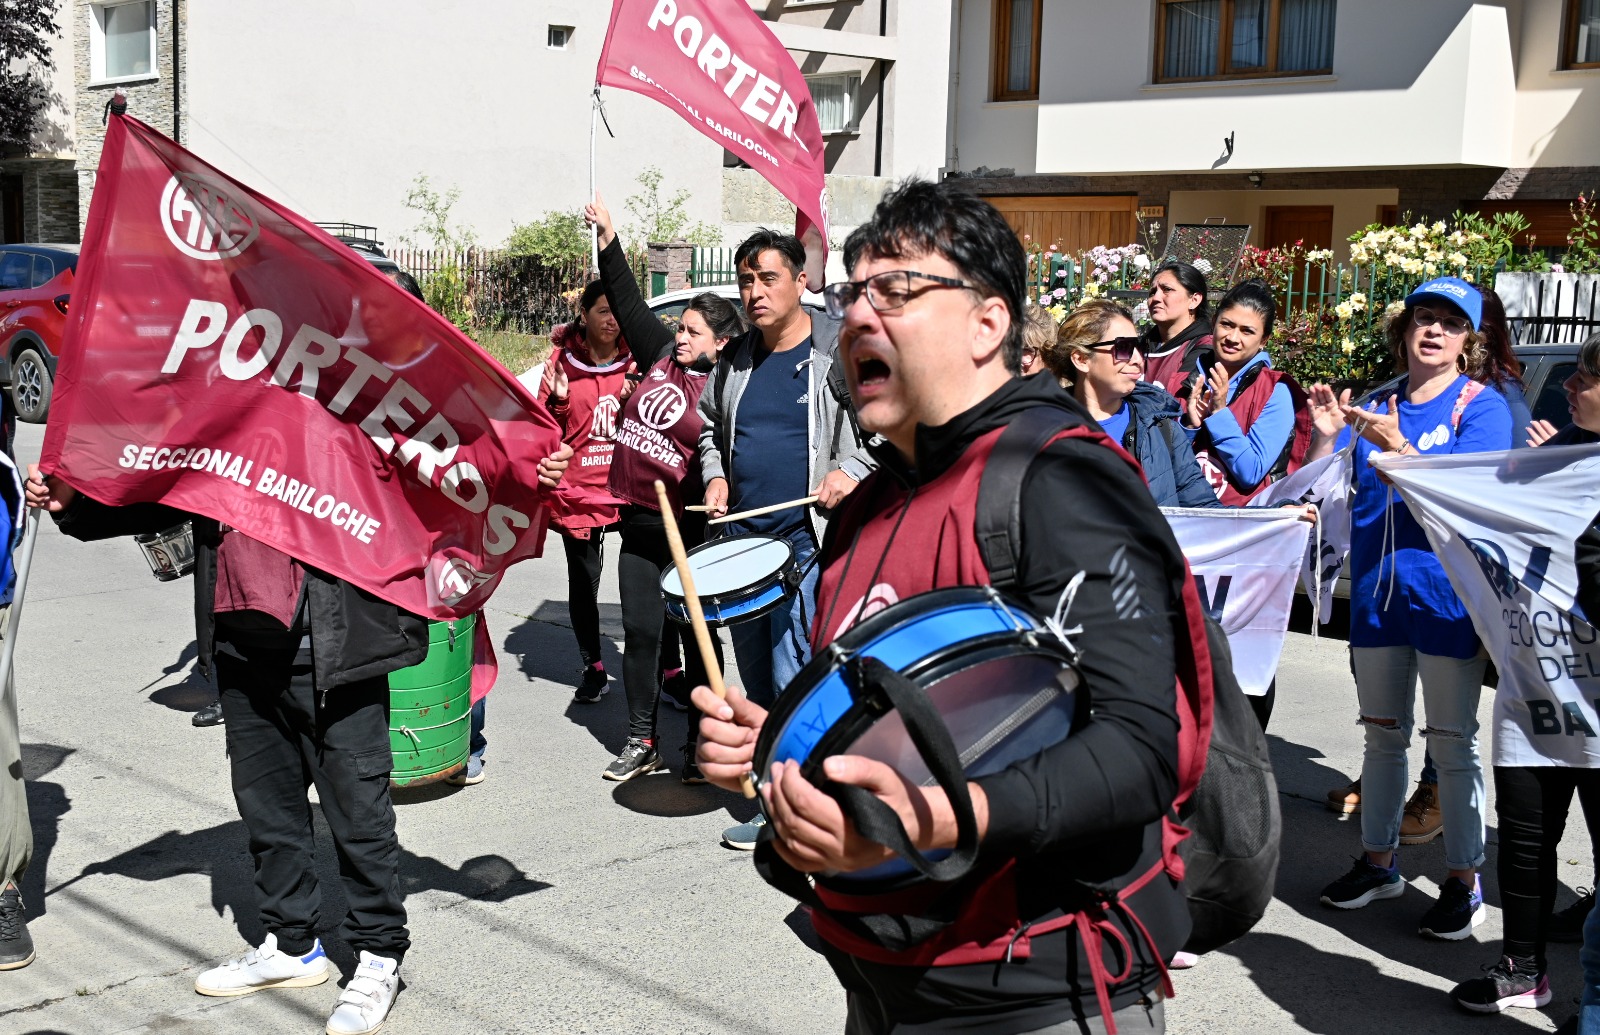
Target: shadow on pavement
pixel 47 803
pixel 663 794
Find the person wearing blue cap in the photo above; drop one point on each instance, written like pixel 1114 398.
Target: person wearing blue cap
pixel 1406 622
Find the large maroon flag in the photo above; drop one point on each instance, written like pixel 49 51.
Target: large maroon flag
pixel 226 357
pixel 717 64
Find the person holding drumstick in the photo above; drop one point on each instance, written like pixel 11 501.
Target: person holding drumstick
pixel 656 439
pixel 778 428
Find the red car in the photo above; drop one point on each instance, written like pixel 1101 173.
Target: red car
pixel 35 287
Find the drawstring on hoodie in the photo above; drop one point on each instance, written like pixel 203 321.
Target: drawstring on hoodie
pixel 855 541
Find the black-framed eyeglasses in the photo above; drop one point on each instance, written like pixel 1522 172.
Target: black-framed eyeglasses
pixel 886 291
pixel 1121 349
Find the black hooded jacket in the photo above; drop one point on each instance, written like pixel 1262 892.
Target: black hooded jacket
pixel 354 635
pixel 1083 816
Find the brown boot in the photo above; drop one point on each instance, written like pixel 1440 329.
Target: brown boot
pixel 1346 800
pixel 1422 821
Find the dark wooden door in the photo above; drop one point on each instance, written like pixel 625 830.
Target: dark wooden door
pixel 1073 223
pixel 1309 225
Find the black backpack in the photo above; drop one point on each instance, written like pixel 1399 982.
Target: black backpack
pixel 1231 856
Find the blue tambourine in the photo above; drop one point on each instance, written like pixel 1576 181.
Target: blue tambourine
pixel 945 686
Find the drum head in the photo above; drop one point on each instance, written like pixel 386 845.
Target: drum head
pixel 725 566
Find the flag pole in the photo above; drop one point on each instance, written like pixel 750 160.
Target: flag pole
pixel 24 564
pixel 594 131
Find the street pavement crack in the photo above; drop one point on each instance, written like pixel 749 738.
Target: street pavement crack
pixel 82 993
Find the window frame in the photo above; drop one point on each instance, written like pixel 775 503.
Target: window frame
pixel 97 43
pixel 1569 40
pixel 853 128
pixel 1225 48
pixel 1000 51
pixel 566 39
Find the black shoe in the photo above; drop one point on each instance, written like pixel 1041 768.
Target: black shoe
pixel 593 687
pixel 690 773
pixel 16 945
pixel 637 758
pixel 675 691
pixel 1566 925
pixel 210 715
pixel 1504 986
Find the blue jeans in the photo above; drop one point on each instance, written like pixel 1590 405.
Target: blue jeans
pixel 772 649
pixel 1386 686
pixel 1589 956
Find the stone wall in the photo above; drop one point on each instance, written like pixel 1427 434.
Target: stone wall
pixel 49 198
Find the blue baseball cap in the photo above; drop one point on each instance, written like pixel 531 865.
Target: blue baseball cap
pixel 1457 292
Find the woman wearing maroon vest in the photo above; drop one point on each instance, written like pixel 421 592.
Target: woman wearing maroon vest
pixel 1179 324
pixel 656 440
pixel 583 381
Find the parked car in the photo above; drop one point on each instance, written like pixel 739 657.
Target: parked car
pixel 670 305
pixel 35 290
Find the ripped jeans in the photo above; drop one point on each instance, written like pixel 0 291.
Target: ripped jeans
pixel 1386 686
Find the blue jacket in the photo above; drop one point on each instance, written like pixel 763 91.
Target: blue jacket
pixel 1156 439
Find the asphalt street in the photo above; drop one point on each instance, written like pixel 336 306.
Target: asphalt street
pixel 548 900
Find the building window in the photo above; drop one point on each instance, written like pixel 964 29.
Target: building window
pixel 1238 39
pixel 122 41
pixel 559 37
pixel 1582 45
pixel 1015 63
pixel 837 98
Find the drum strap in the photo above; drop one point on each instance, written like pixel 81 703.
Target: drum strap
pixel 998 523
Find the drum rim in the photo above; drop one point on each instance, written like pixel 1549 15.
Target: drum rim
pixel 723 540
pixel 720 622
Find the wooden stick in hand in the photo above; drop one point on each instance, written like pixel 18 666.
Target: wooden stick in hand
pixel 805 502
pixel 697 617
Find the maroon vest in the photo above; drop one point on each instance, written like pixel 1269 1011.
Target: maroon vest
pixel 1246 406
pixel 589 420
pixel 658 436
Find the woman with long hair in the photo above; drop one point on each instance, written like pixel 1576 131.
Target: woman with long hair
pixel 583 383
pixel 1406 622
pixel 1180 324
pixel 656 441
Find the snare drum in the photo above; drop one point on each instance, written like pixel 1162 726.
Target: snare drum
pixel 738 578
pixel 170 554
pixel 1001 681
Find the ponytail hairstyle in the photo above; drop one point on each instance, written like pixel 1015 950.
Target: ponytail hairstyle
pixel 1255 296
pixel 1192 280
pixel 725 319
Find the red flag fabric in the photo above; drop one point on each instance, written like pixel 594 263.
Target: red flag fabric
pixel 225 356
pixel 718 65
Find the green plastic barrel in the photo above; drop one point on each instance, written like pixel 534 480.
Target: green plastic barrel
pixel 430 707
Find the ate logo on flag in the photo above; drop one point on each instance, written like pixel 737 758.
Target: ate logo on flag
pixel 204 219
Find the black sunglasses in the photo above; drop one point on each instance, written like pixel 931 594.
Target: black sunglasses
pixel 1121 349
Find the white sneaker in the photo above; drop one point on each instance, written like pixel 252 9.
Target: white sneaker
pixel 366 999
pixel 265 967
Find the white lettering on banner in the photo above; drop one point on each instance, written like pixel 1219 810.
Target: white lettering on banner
pixel 206 219
pixel 315 364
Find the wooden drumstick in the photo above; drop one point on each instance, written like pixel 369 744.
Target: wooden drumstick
pixel 697 508
pixel 804 502
pixel 697 617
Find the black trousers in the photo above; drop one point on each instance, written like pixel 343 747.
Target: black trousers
pixel 585 561
pixel 652 640
pixel 1262 705
pixel 1531 805
pixel 283 735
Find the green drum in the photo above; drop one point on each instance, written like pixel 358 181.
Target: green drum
pixel 430 707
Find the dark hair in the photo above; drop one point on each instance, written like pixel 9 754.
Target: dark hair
pixel 1589 356
pixel 592 293
pixel 919 217
pixel 763 240
pixel 408 284
pixel 1191 280
pixel 1255 296
pixel 725 319
pixel 1500 363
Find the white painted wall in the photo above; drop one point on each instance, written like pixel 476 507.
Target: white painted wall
pixel 1557 112
pixel 53 138
pixel 996 135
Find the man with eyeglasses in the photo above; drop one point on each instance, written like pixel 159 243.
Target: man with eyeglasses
pixel 778 427
pixel 931 342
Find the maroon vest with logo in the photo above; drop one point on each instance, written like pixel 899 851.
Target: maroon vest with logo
pixel 658 436
pixel 1246 406
pixel 589 422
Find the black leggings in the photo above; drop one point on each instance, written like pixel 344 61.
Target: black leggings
pixel 1262 705
pixel 1531 804
pixel 585 560
pixel 651 640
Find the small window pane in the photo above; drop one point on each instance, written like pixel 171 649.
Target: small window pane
pixel 835 99
pixel 1305 36
pixel 1191 39
pixel 15 270
pixel 1249 35
pixel 43 270
pixel 1019 59
pixel 1588 33
pixel 558 37
pixel 1552 402
pixel 128 40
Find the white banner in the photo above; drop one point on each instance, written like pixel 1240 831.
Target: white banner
pixel 1245 563
pixel 1504 527
pixel 1324 483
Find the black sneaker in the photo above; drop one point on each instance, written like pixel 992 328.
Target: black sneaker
pixel 16 945
pixel 593 687
pixel 210 715
pixel 675 690
pixel 1566 925
pixel 1458 911
pixel 637 758
pixel 1504 986
pixel 1365 883
pixel 690 773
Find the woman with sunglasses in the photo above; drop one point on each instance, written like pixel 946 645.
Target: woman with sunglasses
pixel 1242 414
pixel 1406 622
pixel 1098 355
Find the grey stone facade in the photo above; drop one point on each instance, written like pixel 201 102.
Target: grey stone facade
pixel 152 100
pixel 49 188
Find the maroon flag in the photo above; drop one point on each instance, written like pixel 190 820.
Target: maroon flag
pixel 717 64
pixel 226 357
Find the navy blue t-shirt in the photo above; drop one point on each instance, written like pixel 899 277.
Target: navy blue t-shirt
pixel 770 441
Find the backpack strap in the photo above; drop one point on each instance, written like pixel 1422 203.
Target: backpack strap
pixel 1469 392
pixel 999 515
